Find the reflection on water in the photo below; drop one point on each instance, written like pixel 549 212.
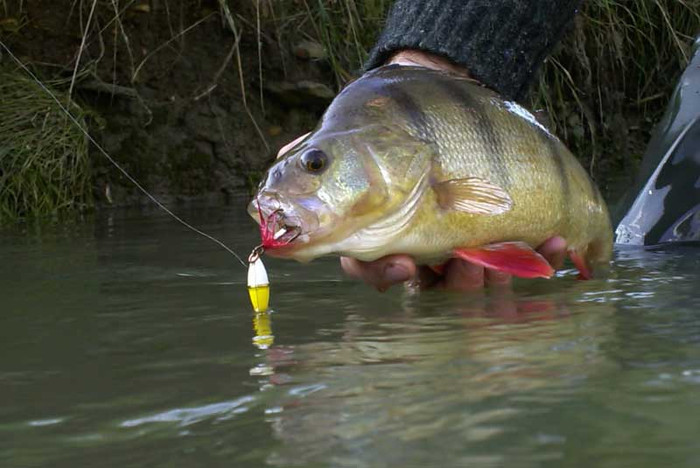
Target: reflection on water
pixel 129 342
pixel 263 338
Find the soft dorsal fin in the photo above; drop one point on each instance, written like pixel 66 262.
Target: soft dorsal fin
pixel 472 195
pixel 516 258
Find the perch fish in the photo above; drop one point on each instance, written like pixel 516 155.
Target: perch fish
pixel 414 161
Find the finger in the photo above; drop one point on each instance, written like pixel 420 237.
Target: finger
pixel 291 145
pixel 461 275
pixel 497 278
pixel 554 250
pixel 382 273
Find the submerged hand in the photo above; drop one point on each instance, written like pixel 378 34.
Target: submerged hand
pixel 459 275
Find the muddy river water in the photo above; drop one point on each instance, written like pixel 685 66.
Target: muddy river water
pixel 128 341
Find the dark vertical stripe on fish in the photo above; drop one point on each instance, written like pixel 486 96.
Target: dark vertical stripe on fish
pixel 408 106
pixel 491 139
pixel 555 149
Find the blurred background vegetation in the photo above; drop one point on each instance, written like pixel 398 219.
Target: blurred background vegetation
pixel 194 97
pixel 44 163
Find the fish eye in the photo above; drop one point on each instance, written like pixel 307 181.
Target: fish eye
pixel 314 161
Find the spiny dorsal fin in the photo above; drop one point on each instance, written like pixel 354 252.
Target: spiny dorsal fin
pixel 472 195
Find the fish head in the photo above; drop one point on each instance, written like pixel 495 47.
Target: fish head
pixel 321 191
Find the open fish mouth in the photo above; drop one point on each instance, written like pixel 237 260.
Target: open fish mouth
pixel 277 232
pixel 289 226
pixel 277 228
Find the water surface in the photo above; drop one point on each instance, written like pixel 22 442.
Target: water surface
pixel 127 341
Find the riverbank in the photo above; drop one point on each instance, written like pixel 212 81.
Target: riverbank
pixel 194 99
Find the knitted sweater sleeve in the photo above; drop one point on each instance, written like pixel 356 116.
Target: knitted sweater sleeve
pixel 500 42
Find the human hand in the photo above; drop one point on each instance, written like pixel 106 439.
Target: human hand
pixel 418 58
pixel 458 275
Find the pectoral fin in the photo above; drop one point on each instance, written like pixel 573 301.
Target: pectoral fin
pixel 516 258
pixel 472 195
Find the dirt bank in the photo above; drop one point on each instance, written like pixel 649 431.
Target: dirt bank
pixel 165 82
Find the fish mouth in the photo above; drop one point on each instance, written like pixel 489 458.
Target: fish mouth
pixel 277 230
pixel 280 225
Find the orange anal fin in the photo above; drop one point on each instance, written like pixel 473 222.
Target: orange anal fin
pixel 584 273
pixel 515 258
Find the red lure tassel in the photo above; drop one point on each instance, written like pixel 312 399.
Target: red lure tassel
pixel 267 235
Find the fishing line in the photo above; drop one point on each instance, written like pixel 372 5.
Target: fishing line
pixel 111 160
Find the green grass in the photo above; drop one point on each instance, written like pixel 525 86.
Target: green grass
pixel 44 167
pixel 346 28
pixel 611 78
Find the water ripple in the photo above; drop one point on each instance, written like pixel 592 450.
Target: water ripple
pixel 186 416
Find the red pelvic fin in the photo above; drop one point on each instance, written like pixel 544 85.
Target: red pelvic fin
pixel 438 269
pixel 516 258
pixel 584 273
